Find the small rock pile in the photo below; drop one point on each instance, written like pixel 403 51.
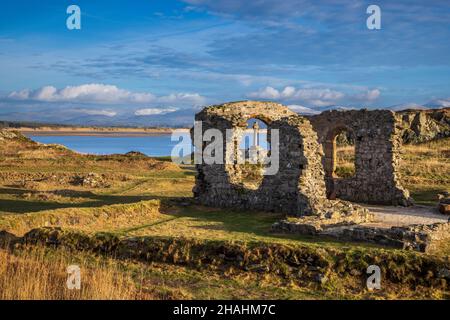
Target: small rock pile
pixel 90 180
pixel 335 214
pixel 444 203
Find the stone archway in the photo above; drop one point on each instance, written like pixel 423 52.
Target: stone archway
pixel 330 150
pixel 297 188
pixel 377 156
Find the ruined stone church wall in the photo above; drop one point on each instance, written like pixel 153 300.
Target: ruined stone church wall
pixel 297 188
pixel 377 136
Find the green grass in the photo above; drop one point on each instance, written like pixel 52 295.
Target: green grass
pixel 424 169
pixel 426 195
pixel 218 224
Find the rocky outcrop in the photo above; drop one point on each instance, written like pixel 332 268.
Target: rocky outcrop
pixel 90 180
pixel 424 125
pixel 8 135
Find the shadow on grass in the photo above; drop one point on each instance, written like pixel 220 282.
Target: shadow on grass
pixel 137 228
pixel 426 197
pixel 250 223
pixel 36 205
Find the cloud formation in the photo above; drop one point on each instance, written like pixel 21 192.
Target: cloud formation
pixel 316 97
pixel 101 94
pixel 369 95
pixel 309 54
pixel 154 111
pixel 106 113
pixel 270 8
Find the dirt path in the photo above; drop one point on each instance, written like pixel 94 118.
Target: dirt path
pixel 387 216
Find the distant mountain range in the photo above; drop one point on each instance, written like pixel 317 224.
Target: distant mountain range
pixel 178 118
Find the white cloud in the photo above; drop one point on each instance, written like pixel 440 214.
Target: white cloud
pixel 369 95
pixel 45 93
pixel 103 94
pixel 313 96
pixel 154 111
pixel 266 93
pixel 106 113
pixel 94 93
pixel 316 97
pixel 19 95
pixel 193 98
pixel 288 92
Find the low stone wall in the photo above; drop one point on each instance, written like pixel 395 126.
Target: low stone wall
pixel 416 237
pixel 421 238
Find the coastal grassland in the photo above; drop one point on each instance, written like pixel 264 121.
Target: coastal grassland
pixel 136 196
pixel 345 161
pixel 140 196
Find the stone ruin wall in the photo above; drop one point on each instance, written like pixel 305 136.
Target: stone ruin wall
pixel 377 136
pixel 298 187
pixel 305 179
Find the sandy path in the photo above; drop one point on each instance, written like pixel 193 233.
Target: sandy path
pixel 388 216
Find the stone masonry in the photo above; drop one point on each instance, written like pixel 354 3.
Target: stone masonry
pixel 297 189
pixel 377 136
pixel 423 238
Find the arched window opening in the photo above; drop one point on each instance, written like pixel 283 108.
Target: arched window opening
pixel 254 149
pixel 344 164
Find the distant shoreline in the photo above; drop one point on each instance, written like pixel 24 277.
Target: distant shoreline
pixel 96 131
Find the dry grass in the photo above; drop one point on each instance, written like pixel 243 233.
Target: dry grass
pixel 427 163
pixel 425 168
pixel 345 161
pixel 38 274
pixel 104 218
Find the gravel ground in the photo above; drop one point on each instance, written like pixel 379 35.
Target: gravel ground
pixel 388 216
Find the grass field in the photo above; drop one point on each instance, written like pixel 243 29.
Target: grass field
pixel 425 168
pixel 133 195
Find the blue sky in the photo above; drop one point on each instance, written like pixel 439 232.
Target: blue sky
pixel 153 58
